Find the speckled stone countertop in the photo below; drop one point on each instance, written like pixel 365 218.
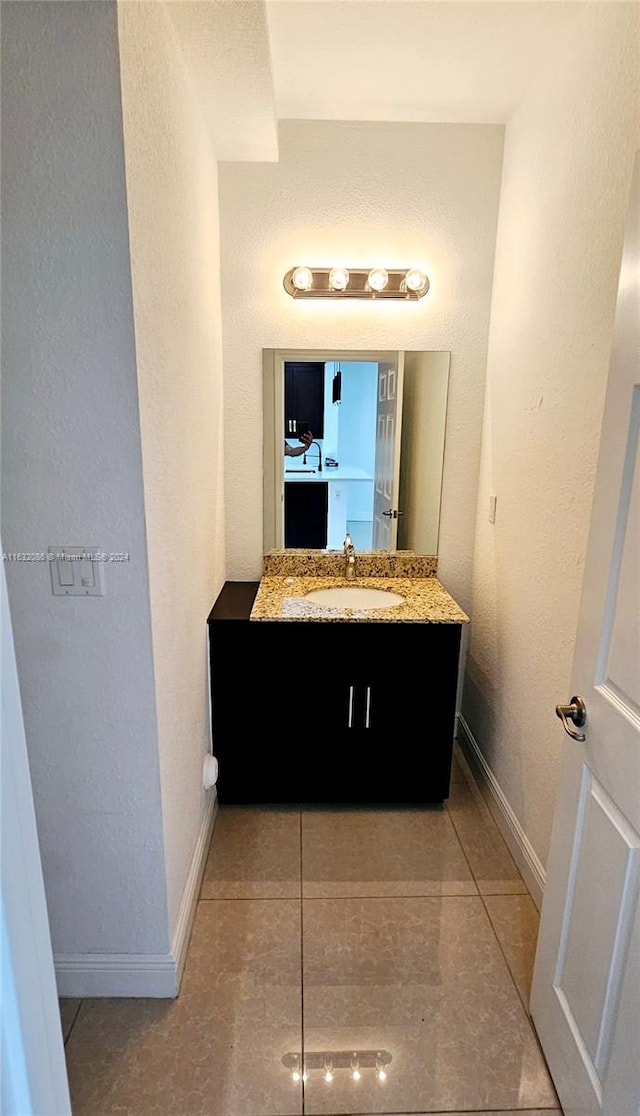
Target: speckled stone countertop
pixel 283 596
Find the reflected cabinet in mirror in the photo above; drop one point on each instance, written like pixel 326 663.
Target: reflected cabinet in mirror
pixel 353 443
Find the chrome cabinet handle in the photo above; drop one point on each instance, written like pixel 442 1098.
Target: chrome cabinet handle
pixel 350 709
pixel 576 712
pixel 367 709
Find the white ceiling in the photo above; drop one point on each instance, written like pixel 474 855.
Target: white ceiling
pixel 226 48
pixel 444 61
pixel 407 60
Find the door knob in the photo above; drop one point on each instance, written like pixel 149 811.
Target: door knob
pixel 576 712
pixel 393 514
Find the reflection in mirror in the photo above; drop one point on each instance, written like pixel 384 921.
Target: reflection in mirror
pixel 372 466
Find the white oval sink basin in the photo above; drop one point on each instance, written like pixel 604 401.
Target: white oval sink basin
pixel 354 596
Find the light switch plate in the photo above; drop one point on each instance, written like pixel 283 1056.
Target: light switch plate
pixel 75 572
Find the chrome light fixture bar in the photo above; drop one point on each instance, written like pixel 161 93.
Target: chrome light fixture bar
pixel 331 1062
pixel 408 284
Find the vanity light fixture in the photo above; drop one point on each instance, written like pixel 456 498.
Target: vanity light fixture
pixel 404 283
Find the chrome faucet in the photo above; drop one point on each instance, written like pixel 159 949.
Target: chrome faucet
pixel 319 455
pixel 350 559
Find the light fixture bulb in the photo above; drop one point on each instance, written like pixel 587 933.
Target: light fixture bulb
pixel 295 1076
pixel 381 1075
pixel 328 1075
pixel 378 278
pixel 356 1075
pixel 338 278
pixel 302 278
pixel 415 279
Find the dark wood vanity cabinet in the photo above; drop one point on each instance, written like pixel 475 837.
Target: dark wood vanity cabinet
pixel 303 398
pixel 334 712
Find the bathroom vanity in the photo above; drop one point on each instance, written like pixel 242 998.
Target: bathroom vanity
pixel 331 704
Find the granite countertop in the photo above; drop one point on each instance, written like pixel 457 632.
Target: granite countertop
pixel 281 595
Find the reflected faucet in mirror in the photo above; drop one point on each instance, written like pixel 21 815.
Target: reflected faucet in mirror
pixel 379 442
pixel 308 450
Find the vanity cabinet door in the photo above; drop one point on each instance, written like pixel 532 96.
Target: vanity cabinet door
pixel 411 710
pixel 303 398
pixel 385 702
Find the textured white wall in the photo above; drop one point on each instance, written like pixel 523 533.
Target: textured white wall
pixel 360 193
pixel 71 473
pixel 567 171
pixel 173 215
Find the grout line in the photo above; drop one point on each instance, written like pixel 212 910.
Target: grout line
pixel 506 959
pixel 464 851
pixel 422 895
pixel 461 1112
pixel 396 895
pixel 490 828
pixel 73 1022
pixel 487 819
pixel 493 929
pixel 522 1001
pixel 247 898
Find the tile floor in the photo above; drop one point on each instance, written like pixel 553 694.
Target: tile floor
pixel 402 936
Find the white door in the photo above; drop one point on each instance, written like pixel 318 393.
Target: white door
pixel 585 999
pixel 33 1077
pixel 387 465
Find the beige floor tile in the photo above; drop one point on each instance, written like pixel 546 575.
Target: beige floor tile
pixel 254 854
pixel 368 852
pixel 423 979
pixel 493 867
pixel 68 1011
pixel 515 920
pixel 217 1048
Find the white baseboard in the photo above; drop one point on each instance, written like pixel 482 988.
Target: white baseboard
pixel 520 847
pixel 116 974
pixel 156 975
pixel 182 931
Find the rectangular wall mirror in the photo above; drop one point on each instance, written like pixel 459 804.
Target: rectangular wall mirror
pixel 374 466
